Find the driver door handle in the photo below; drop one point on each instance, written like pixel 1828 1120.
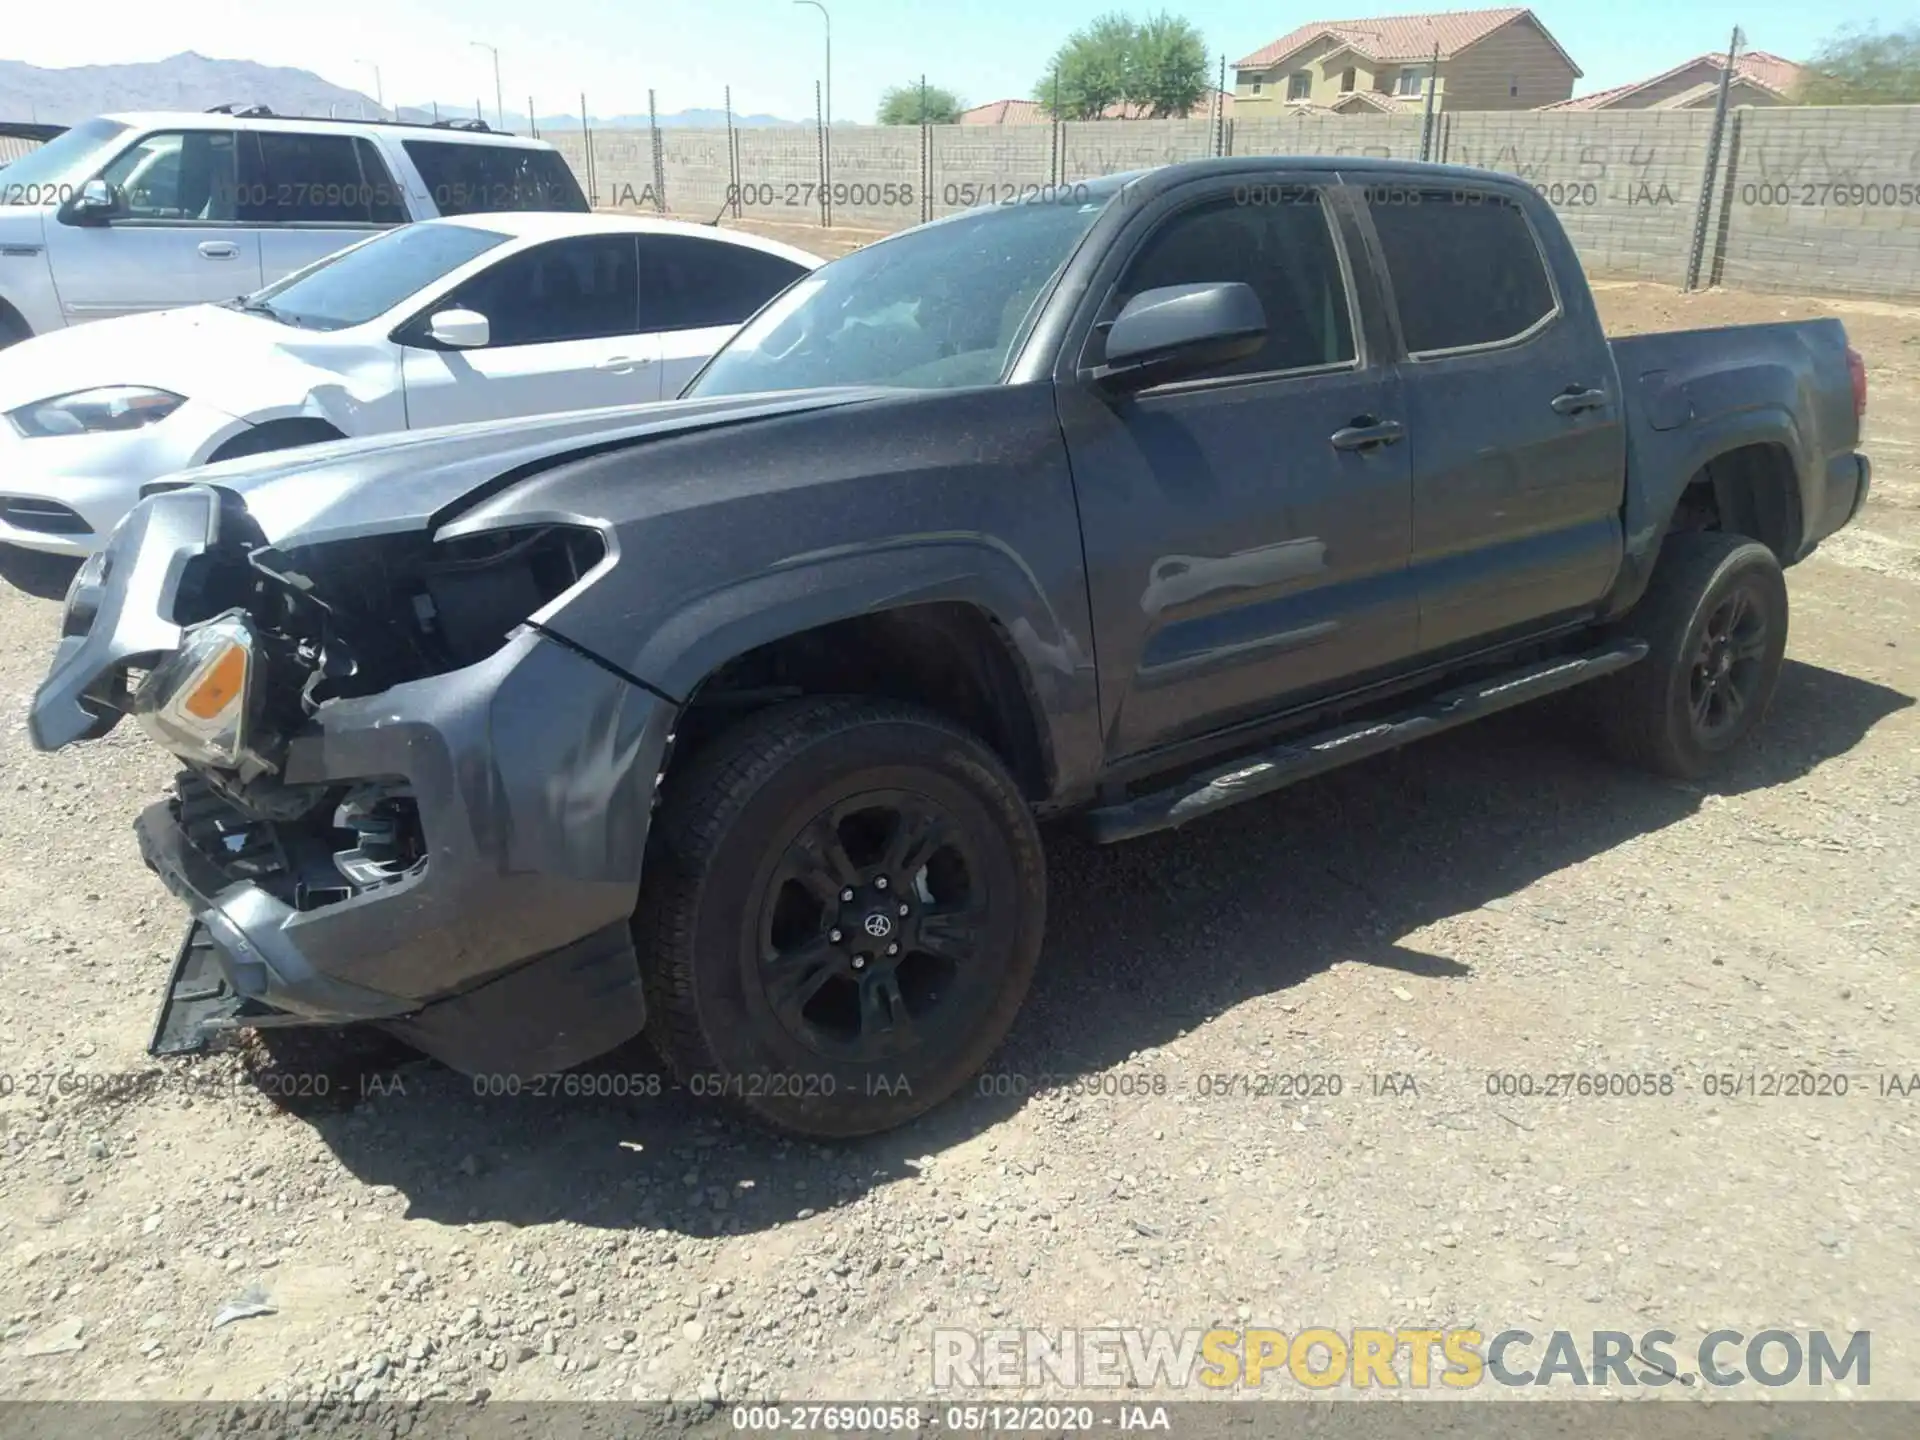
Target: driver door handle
pixel 1367 433
pixel 1574 400
pixel 219 249
pixel 624 364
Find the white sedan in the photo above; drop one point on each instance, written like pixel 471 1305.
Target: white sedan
pixel 476 318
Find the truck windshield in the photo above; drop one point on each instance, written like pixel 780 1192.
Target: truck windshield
pixel 352 286
pixel 62 164
pixel 935 308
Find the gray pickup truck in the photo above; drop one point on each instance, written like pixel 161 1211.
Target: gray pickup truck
pixel 731 718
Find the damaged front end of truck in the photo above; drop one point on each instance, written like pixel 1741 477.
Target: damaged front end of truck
pixel 404 801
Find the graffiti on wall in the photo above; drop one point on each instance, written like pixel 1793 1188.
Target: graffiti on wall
pixel 1574 172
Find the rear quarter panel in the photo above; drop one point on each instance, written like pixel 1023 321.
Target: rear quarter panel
pixel 1693 395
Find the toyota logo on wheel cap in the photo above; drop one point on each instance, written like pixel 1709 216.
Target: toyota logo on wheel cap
pixel 878 926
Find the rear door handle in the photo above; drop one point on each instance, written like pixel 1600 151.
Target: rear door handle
pixel 1367 433
pixel 1573 400
pixel 219 249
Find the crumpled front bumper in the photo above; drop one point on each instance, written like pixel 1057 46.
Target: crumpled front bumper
pixel 508 948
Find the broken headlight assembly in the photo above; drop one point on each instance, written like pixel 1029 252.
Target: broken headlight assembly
pixel 198 701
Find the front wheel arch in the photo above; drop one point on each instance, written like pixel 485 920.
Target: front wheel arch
pixel 13 326
pixel 276 435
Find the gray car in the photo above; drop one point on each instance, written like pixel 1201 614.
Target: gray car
pixel 734 719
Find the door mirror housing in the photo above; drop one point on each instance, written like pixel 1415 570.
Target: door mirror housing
pixel 92 204
pixel 459 329
pixel 1180 330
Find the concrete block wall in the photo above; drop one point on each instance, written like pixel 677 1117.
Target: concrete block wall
pixel 876 176
pixel 1092 148
pixel 779 173
pixel 1821 200
pixel 696 172
pixel 1625 183
pixel 1388 137
pixel 1824 200
pixel 979 164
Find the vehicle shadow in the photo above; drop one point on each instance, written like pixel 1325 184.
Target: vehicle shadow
pixel 1148 940
pixel 45 577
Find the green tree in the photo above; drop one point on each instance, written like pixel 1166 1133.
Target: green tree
pixel 1864 67
pixel 909 105
pixel 1091 70
pixel 1168 73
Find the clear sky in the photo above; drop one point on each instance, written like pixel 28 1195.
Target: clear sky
pixel 770 50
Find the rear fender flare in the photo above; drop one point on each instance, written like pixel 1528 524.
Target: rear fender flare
pixel 1664 463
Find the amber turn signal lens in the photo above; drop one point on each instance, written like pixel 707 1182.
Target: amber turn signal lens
pixel 220 686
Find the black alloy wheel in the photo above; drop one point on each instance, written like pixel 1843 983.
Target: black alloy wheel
pixel 1714 617
pixel 869 923
pixel 1728 664
pixel 840 915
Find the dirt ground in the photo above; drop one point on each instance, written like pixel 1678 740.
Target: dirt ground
pixel 1496 901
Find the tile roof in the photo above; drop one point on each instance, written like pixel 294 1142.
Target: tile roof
pixel 1758 67
pixel 1394 37
pixel 1005 112
pixel 1390 104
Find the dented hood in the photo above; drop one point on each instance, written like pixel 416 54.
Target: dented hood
pixel 418 479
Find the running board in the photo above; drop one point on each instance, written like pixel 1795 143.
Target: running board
pixel 1284 765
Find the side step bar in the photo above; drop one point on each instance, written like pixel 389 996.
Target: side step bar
pixel 1283 765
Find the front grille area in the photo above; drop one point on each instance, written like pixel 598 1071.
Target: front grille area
pixel 302 862
pixel 48 517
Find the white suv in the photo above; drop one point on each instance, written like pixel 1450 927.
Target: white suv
pixel 125 213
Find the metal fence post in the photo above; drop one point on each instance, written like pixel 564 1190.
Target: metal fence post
pixel 1713 164
pixel 733 159
pixel 1056 136
pixel 926 156
pixel 1426 122
pixel 1716 259
pixel 659 167
pixel 820 150
pixel 1220 110
pixel 586 139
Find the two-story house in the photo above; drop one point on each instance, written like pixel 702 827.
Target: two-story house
pixel 1473 60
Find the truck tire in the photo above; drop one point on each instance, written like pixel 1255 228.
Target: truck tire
pixel 841 913
pixel 1715 618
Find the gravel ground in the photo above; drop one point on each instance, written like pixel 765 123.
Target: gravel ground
pixel 1496 900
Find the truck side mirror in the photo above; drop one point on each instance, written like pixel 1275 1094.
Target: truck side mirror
pixel 1178 330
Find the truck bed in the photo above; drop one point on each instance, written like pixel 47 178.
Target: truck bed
pixel 1688 392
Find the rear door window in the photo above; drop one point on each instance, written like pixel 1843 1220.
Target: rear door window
pixel 1466 268
pixel 689 284
pixel 471 178
pixel 300 179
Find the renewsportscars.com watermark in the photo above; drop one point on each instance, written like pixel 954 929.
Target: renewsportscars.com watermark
pixel 1322 1358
